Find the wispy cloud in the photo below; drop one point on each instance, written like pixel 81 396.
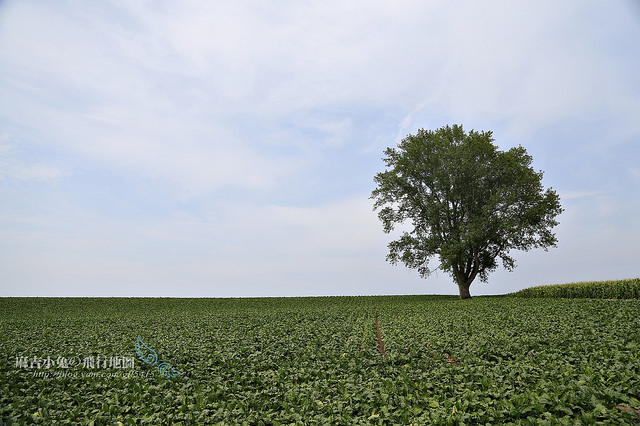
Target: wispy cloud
pixel 572 195
pixel 14 168
pixel 219 140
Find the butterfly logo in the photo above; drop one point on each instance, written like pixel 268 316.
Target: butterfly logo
pixel 149 356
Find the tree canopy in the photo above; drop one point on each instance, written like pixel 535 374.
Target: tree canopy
pixel 468 203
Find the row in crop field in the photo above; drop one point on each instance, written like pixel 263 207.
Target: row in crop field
pixel 620 289
pixel 317 360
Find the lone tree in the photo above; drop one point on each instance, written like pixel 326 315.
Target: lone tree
pixel 468 203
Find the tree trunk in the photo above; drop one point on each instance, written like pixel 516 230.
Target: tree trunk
pixel 464 291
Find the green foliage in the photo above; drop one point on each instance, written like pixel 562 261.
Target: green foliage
pixel 620 289
pixel 492 360
pixel 469 204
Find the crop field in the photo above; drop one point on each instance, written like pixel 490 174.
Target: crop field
pixel 620 289
pixel 339 360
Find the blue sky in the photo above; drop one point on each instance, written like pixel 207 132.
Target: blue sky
pixel 227 148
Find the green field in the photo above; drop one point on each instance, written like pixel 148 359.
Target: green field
pixel 618 289
pixel 493 360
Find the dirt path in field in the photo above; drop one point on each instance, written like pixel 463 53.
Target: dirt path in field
pixel 380 341
pixel 628 409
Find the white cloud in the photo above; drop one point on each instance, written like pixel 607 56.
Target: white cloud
pixel 13 167
pixel 237 249
pixel 343 227
pixel 256 124
pixel 571 195
pixel 177 80
pixel 35 172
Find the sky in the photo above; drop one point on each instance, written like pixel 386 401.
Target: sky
pixel 228 148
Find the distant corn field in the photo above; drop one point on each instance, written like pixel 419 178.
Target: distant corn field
pixel 620 289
